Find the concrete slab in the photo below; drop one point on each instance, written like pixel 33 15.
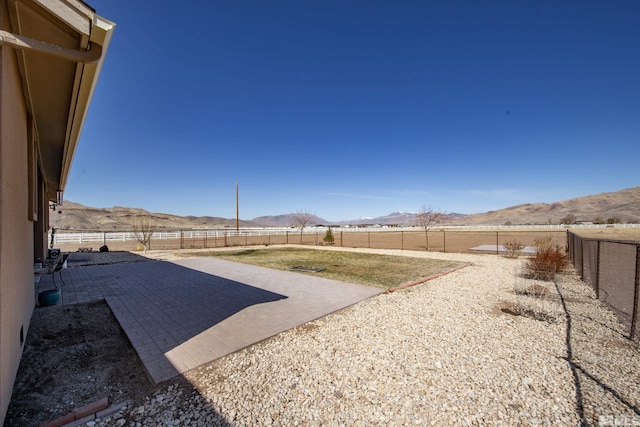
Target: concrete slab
pixel 528 250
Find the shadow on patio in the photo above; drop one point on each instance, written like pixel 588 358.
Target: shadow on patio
pixel 180 315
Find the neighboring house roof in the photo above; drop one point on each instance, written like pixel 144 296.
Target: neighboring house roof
pixel 57 89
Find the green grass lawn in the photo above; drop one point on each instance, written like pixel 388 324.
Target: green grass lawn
pixel 380 271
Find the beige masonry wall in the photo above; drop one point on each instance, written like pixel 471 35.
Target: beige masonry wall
pixel 17 299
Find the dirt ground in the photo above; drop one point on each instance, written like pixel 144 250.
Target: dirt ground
pixel 439 240
pixel 74 355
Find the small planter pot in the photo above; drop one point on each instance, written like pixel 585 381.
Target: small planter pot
pixel 48 298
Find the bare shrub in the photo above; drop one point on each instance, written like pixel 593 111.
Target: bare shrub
pixel 540 310
pixel 533 298
pixel 536 291
pixel 536 312
pixel 514 248
pixel 549 259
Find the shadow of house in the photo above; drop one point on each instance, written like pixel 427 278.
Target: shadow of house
pixel 162 306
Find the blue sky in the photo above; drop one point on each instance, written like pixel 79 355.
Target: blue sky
pixel 352 109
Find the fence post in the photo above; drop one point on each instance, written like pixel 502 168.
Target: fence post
pixel 369 239
pixel 497 242
pixel 444 241
pixel 581 258
pixel 341 239
pixel 286 234
pixel 636 296
pixel 597 278
pixel 181 239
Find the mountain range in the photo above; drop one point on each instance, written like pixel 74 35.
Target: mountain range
pixel 623 205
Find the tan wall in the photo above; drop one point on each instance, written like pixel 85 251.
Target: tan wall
pixel 17 299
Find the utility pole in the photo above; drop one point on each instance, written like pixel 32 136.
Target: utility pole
pixel 237 211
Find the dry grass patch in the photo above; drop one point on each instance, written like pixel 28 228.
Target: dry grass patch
pixel 628 234
pixel 380 271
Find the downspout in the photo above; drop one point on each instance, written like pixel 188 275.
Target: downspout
pixel 25 43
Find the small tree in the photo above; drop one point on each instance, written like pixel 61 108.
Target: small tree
pixel 427 219
pixel 301 219
pixel 144 228
pixel 328 237
pixel 570 219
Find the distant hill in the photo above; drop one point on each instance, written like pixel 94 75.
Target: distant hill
pixel 401 218
pixel 74 216
pixel 285 220
pixel 624 205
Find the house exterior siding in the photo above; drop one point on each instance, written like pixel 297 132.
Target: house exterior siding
pixel 44 99
pixel 17 298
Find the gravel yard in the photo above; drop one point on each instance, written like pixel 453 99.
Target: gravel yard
pixel 462 349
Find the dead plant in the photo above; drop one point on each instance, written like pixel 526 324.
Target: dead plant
pixel 514 248
pixel 548 260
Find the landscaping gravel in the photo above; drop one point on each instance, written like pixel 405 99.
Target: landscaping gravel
pixel 468 348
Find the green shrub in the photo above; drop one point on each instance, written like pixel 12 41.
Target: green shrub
pixel 328 237
pixel 549 259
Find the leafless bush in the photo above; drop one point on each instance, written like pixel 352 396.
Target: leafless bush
pixel 514 248
pixel 532 298
pixel 536 291
pixel 548 260
pixel 536 311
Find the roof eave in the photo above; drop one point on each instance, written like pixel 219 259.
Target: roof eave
pixel 56 43
pixel 86 79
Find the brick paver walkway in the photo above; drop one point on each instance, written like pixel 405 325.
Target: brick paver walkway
pixel 179 315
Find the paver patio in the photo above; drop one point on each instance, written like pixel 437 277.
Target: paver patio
pixel 181 314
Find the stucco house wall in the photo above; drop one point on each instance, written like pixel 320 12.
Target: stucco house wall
pixel 17 297
pixel 44 97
